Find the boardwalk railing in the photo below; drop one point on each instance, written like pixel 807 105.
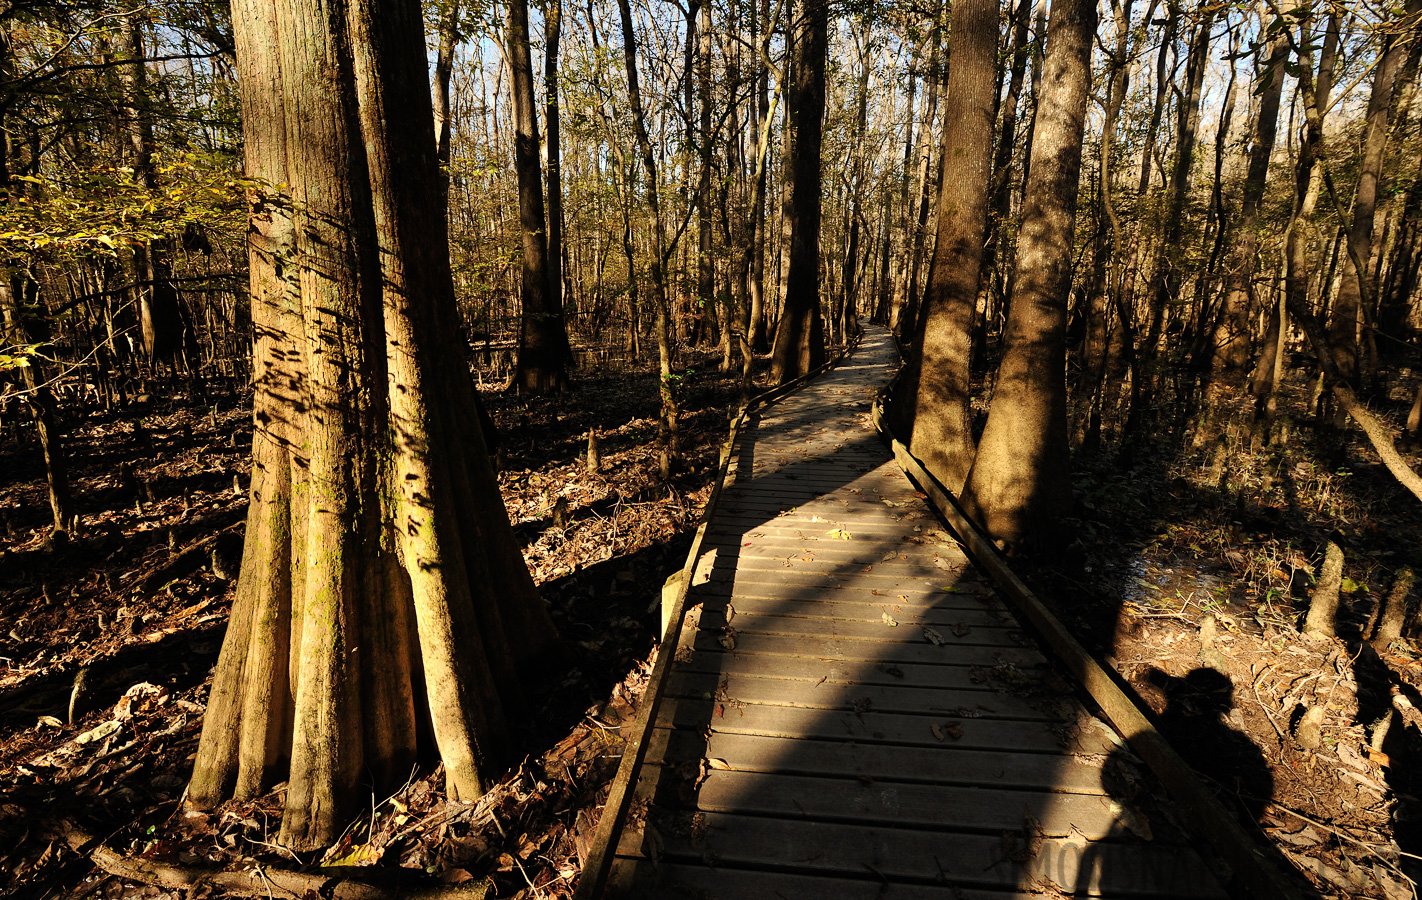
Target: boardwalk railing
pixel 1252 871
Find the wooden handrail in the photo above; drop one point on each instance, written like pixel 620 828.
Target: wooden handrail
pixel 1254 876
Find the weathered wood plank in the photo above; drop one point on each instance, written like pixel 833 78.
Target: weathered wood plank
pixel 901 804
pixel 671 880
pixel 948 675
pixel 959 633
pixel 890 652
pixel 948 858
pixel 886 728
pixel 934 765
pixel 968 703
pixel 967 612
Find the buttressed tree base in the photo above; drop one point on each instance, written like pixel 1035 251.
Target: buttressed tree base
pixel 382 599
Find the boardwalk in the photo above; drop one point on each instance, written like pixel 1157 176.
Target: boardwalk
pixel 854 714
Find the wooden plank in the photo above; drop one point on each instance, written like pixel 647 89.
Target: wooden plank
pixel 900 804
pixel 851 672
pixel 968 595
pixel 869 651
pixel 672 880
pixel 877 727
pixel 958 634
pixel 957 859
pixel 935 765
pixel 967 611
pixel 980 702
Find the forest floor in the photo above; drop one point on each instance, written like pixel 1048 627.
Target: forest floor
pixel 132 610
pixel 1194 564
pixel 1190 576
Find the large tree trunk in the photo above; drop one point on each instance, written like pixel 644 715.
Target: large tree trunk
pixel 799 338
pixel 942 425
pixel 382 594
pixel 543 353
pixel 1020 483
pixel 1232 337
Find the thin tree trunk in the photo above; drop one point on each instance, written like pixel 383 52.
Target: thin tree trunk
pixel 669 427
pixel 1232 337
pixel 1356 291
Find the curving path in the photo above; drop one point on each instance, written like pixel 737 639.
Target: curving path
pixel 852 713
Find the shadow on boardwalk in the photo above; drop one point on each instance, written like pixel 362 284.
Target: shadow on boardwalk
pixel 853 713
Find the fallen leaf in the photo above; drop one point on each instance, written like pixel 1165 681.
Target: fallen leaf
pixel 717 763
pixel 889 620
pixel 960 629
pixel 52 722
pixel 99 733
pixel 934 636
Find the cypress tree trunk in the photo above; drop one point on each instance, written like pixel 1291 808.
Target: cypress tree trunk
pixel 543 353
pixel 799 338
pixel 942 433
pixel 1020 483
pixel 382 595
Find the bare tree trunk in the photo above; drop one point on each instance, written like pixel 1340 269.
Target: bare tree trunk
pixel 942 425
pixel 444 70
pixel 799 339
pixel 553 31
pixel 903 317
pixel 1020 483
pixel 34 376
pixel 669 427
pixel 1232 336
pixel 543 353
pixel 1356 291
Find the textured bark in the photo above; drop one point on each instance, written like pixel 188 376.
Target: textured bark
pixel 382 594
pixel 543 353
pixel 942 426
pixel 799 338
pixel 1232 337
pixel 1323 606
pixel 1020 483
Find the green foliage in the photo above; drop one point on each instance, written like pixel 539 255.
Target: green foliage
pixel 105 213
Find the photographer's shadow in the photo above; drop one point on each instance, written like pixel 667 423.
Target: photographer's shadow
pixel 1194 722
